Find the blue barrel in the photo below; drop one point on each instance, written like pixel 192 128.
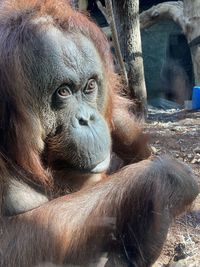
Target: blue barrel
pixel 196 97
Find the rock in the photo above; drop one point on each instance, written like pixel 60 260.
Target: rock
pixel 189 156
pixel 197 150
pixel 154 150
pixel 183 263
pixel 194 161
pixel 183 149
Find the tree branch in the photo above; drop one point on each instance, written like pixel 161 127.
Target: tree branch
pixel 168 10
pixel 111 20
pixel 103 10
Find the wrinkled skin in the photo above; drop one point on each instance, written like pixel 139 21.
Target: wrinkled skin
pixel 77 131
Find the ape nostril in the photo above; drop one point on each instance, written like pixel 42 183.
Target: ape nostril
pixel 83 122
pixel 92 118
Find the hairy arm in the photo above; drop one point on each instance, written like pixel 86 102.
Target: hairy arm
pixel 135 204
pixel 129 141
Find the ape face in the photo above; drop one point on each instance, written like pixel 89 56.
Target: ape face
pixel 68 80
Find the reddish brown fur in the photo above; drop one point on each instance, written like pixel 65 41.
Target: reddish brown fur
pixel 67 20
pixel 136 204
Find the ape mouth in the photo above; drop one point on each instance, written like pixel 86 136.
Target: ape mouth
pixel 102 166
pixel 98 168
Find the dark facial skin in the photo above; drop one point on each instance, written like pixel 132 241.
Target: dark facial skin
pixel 75 132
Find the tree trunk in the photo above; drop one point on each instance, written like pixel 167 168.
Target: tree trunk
pixel 119 57
pixel 127 21
pixel 191 10
pixel 187 15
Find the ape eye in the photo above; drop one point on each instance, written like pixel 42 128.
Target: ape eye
pixel 91 86
pixel 64 92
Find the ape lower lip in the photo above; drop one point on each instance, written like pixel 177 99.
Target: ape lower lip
pixel 102 166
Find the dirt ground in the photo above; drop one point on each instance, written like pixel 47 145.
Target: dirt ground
pixel 177 133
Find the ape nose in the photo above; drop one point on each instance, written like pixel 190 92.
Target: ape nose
pixel 85 120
